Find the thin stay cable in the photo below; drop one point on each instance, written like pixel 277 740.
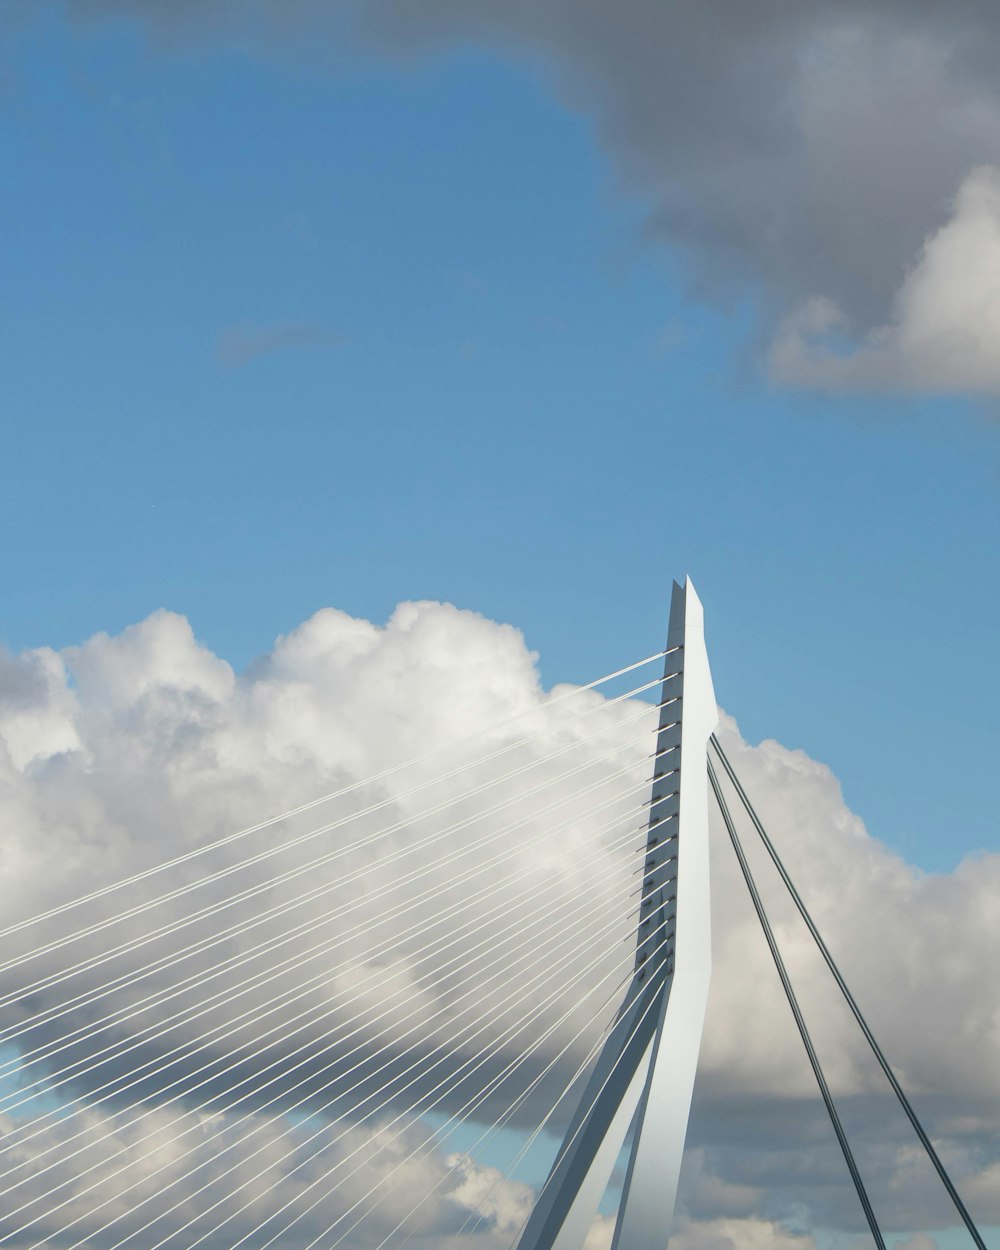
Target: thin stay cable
pixel 438 1136
pixel 556 921
pixel 849 998
pixel 443 1131
pixel 232 993
pixel 59 1234
pixel 186 1090
pixel 793 1002
pixel 202 978
pixel 326 798
pixel 219 936
pixel 652 988
pixel 495 1006
pixel 507 1174
pixel 479 1060
pixel 629 836
pixel 324 859
pixel 501 1122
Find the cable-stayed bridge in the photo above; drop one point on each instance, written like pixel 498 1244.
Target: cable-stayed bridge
pixel 306 1032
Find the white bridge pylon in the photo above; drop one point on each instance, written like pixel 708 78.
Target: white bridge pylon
pixel 645 1071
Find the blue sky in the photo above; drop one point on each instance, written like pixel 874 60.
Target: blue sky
pixel 279 334
pixel 533 307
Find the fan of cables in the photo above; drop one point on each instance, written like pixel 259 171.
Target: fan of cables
pixel 309 1030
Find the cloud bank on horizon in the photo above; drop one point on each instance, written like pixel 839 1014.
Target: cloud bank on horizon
pixel 126 751
pixel 841 160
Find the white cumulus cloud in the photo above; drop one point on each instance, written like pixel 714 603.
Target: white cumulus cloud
pixel 437 929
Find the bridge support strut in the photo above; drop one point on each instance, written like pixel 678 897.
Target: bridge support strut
pixel 644 1074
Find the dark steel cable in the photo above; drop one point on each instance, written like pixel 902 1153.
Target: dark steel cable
pixel 793 1002
pixel 897 1089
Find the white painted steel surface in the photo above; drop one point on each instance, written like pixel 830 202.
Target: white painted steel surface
pixel 646 1069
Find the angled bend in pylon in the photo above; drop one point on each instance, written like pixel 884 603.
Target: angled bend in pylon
pixel 645 1071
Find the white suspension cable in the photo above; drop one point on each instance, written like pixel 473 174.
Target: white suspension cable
pixel 325 947
pixel 567 1145
pixel 326 798
pixel 539 1128
pixel 516 925
pixel 469 1105
pixel 188 1091
pixel 384 1101
pixel 329 857
pixel 184 1092
pixel 201 978
pixel 447 1086
pixel 536 1132
pixel 437 1137
pixel 288 935
pixel 508 1173
pixel 464 796
pixel 508 1112
pixel 505 1118
pixel 286 1133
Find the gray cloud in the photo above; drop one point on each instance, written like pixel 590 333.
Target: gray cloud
pixel 945 324
pixel 271 1165
pixel 808 149
pixel 239 345
pixel 806 152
